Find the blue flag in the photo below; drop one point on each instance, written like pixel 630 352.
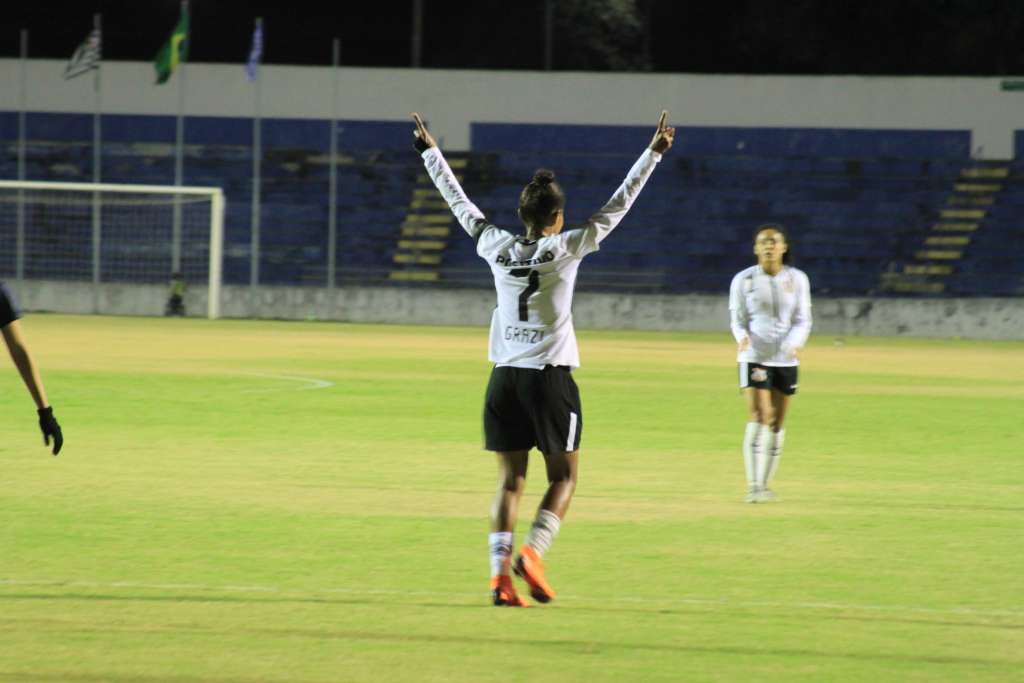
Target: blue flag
pixel 255 52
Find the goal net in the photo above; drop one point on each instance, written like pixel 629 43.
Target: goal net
pixel 113 234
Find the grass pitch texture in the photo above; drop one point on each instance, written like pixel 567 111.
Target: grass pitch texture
pixel 307 502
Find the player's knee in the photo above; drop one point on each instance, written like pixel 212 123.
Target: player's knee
pixel 510 482
pixel 565 483
pixel 566 477
pixel 763 415
pixel 560 472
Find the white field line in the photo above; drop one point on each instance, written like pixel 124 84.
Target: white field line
pixel 710 602
pixel 310 383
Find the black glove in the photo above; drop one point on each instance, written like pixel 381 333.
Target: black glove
pixel 421 145
pixel 48 425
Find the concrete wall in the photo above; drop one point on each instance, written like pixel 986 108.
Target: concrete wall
pixel 452 99
pixel 968 318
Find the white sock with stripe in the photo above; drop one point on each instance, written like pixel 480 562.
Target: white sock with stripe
pixel 762 452
pixel 749 436
pixel 500 543
pixel 776 454
pixel 542 533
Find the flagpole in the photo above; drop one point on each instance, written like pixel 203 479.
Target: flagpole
pixel 22 108
pixel 332 220
pixel 97 160
pixel 179 153
pixel 97 155
pixel 416 46
pixel 257 158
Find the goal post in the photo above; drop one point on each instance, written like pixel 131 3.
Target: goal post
pixel 113 233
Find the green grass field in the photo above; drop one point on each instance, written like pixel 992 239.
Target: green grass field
pixel 260 501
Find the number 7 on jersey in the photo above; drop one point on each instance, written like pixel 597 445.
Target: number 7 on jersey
pixel 532 285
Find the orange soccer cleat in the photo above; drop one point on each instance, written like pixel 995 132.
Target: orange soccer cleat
pixel 504 593
pixel 530 569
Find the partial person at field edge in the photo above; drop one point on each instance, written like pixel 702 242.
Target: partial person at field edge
pixel 770 312
pixel 176 296
pixel 10 326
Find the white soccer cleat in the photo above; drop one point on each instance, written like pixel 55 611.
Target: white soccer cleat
pixel 766 496
pixel 753 495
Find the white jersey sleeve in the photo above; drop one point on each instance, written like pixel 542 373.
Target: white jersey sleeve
pixel 466 212
pixel 739 318
pixel 488 237
pixel 801 319
pixel 586 238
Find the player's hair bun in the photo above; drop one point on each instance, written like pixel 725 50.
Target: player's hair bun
pixel 538 201
pixel 543 177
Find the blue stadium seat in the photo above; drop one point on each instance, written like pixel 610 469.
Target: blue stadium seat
pixel 855 201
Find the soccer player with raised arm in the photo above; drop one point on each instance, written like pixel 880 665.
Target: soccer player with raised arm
pixel 11 329
pixel 532 400
pixel 770 312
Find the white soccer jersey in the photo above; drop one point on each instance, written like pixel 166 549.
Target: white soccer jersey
pixel 532 324
pixel 774 312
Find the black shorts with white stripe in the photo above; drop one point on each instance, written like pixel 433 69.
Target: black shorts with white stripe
pixel 757 376
pixel 527 408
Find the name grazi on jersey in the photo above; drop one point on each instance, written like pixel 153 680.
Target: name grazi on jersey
pixel 503 260
pixel 523 335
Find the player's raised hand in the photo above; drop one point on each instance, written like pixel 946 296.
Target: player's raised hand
pixel 49 427
pixel 663 136
pixel 424 140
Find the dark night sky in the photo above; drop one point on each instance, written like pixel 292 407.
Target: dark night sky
pixel 930 37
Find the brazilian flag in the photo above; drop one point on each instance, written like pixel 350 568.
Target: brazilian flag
pixel 175 50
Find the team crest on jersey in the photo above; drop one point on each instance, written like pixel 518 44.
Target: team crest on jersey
pixel 789 286
pixel 758 375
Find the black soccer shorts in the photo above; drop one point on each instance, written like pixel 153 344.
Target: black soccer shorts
pixel 757 376
pixel 527 408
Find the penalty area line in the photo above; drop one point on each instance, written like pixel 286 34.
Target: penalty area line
pixel 309 382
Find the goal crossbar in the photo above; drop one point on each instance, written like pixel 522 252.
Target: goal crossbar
pixel 109 187
pixel 215 194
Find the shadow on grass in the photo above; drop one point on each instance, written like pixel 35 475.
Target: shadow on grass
pixel 958 507
pixel 740 611
pixel 578 646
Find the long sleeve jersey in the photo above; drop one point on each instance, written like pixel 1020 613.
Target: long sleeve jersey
pixel 534 279
pixel 774 312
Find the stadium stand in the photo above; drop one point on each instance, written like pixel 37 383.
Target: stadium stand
pixel 870 212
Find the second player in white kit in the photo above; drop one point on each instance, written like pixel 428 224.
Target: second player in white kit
pixel 532 400
pixel 770 312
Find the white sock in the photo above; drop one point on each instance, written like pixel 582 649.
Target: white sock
pixel 776 454
pixel 542 533
pixel 749 436
pixel 500 543
pixel 762 452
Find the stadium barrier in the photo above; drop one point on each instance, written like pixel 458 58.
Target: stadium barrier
pixel 974 318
